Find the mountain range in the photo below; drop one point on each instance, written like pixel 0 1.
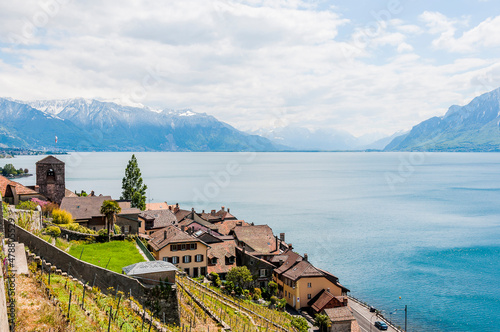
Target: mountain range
pixel 91 125
pixel 473 127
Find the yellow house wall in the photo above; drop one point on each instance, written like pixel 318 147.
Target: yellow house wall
pixel 317 285
pixel 201 249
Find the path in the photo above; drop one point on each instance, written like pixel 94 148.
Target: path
pixel 20 262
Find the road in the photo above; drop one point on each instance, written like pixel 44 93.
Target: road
pixel 365 318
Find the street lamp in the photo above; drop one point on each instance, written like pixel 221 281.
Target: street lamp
pixel 406 315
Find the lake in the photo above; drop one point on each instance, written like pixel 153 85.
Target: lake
pixel 421 226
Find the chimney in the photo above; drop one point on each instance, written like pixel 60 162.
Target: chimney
pixel 222 208
pixel 212 212
pixel 176 207
pixel 239 223
pixel 290 246
pixel 170 208
pixel 282 237
pixel 227 210
pixel 202 211
pixel 328 290
pixel 192 209
pixel 277 246
pixel 305 257
pixel 164 235
pixel 183 228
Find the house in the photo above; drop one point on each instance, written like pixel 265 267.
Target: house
pixel 261 269
pixel 221 257
pixel 14 192
pixel 325 300
pixel 299 281
pixel 51 178
pixel 174 245
pixel 153 220
pixel 151 272
pixel 215 216
pixel 86 211
pixel 342 320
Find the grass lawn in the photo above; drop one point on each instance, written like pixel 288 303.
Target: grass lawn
pixel 121 253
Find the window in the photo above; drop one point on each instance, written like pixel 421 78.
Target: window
pixel 193 246
pixel 251 262
pixel 173 247
pixel 230 260
pixel 175 260
pixel 286 293
pixel 186 270
pixel 309 285
pixel 263 272
pixel 186 259
pixel 183 247
pixel 198 258
pixel 214 260
pixel 203 271
pixel 308 296
pixel 50 172
pixel 165 259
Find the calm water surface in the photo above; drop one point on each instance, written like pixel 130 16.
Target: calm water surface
pixel 423 227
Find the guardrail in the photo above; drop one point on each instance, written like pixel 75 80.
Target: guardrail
pixel 144 249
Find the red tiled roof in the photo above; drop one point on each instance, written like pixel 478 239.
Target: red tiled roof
pixel 20 189
pixel 160 218
pixel 84 207
pixel 340 314
pixel 258 238
pixel 222 250
pixel 226 226
pixel 158 206
pixel 69 193
pixel 170 234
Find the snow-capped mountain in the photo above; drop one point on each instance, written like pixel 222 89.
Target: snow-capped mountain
pixel 474 127
pixel 88 124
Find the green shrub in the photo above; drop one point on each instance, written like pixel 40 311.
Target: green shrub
pixel 53 231
pixel 300 323
pixel 130 237
pixel 214 277
pixel 48 208
pixel 5 208
pixel 61 217
pixel 117 229
pixel 27 205
pixel 273 299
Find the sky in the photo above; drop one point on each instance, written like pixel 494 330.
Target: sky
pixel 360 66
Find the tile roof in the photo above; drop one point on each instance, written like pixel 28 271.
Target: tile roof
pixel 84 207
pixel 289 259
pixel 324 297
pixel 148 267
pixel 302 269
pixel 20 189
pixel 170 234
pixel 69 193
pixel 160 218
pixel 226 226
pixel 258 238
pixel 340 314
pixel 222 250
pixel 49 160
pixel 157 206
pixel 181 214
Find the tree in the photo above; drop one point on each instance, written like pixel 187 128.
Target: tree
pixel 9 169
pixel 110 209
pixel 133 187
pixel 300 323
pixel 240 276
pixel 273 288
pixel 322 321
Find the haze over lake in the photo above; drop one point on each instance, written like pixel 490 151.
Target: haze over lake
pixel 423 226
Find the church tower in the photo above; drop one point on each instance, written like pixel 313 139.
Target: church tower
pixel 50 178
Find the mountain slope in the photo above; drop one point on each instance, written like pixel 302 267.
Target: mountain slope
pixel 91 125
pixel 474 127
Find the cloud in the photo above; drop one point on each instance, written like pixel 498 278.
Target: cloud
pixel 484 35
pixel 250 63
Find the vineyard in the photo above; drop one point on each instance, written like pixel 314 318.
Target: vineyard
pixel 87 309
pixel 233 313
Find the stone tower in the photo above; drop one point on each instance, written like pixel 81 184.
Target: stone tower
pixel 50 178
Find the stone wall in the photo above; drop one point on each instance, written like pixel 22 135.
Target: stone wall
pixel 54 188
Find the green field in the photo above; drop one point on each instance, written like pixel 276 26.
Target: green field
pixel 118 253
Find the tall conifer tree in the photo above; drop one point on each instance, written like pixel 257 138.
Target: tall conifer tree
pixel 133 187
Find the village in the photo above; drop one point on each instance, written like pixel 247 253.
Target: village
pixel 176 243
